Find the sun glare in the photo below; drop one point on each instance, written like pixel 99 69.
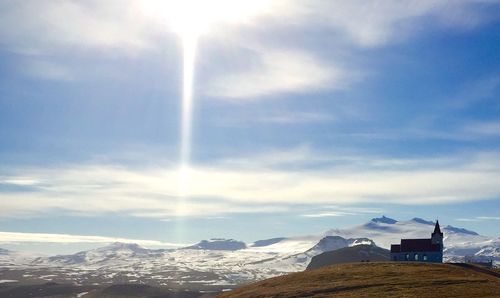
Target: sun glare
pixel 190 19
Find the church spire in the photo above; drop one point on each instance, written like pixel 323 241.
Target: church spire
pixel 437 229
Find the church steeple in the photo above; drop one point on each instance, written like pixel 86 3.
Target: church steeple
pixel 437 235
pixel 437 229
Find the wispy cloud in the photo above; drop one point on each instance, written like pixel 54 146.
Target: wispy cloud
pixel 277 72
pixel 476 92
pixel 14 237
pixel 327 214
pixel 376 23
pixel 296 117
pixel 479 218
pixel 48 71
pixel 485 129
pixel 336 211
pixel 40 27
pixel 217 190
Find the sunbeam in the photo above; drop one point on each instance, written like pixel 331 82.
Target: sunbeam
pixel 190 19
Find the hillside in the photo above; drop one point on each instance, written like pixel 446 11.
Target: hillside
pixel 377 280
pixel 351 254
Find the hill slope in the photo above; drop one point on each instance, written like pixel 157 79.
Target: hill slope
pixel 377 280
pixel 351 254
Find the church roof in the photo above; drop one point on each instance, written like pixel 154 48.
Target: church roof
pixel 395 248
pixel 415 245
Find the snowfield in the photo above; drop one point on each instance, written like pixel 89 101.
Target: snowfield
pixel 220 262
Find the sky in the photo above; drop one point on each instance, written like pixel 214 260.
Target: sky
pixel 307 115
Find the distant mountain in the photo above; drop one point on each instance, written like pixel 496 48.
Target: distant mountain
pixel 113 252
pixel 325 244
pixel 330 243
pixel 16 258
pixel 423 221
pixel 124 248
pixel 460 230
pixel 385 220
pixel 218 244
pixel 267 242
pixel 358 253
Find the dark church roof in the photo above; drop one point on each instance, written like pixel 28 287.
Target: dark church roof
pixel 415 245
pixel 395 248
pixel 418 245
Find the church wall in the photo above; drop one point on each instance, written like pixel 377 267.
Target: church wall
pixel 425 256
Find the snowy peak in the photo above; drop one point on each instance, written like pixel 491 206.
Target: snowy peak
pixel 218 244
pixel 330 243
pixel 9 257
pixel 460 230
pixel 113 251
pixel 123 247
pixel 423 221
pixel 384 220
pixel 267 242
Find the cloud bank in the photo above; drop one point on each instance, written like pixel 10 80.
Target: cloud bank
pixel 14 237
pixel 250 185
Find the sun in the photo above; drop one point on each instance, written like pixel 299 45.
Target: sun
pixel 192 18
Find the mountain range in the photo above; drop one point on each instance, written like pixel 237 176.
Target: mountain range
pixel 228 262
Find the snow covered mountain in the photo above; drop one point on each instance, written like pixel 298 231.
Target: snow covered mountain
pixel 218 244
pixel 330 243
pixel 230 262
pixel 458 242
pixel 16 258
pixel 115 252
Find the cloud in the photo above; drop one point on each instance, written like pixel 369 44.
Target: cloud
pixel 479 218
pixel 219 188
pixel 48 70
pixel 14 237
pixel 19 181
pixel 66 28
pixel 483 129
pixel 269 116
pixel 377 23
pixel 327 214
pixel 296 117
pixel 348 25
pixel 32 26
pixel 476 92
pixel 38 27
pixel 277 72
pixel 336 211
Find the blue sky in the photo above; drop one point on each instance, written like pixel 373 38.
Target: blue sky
pixel 307 115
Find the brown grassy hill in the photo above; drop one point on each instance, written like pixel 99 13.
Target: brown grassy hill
pixel 377 280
